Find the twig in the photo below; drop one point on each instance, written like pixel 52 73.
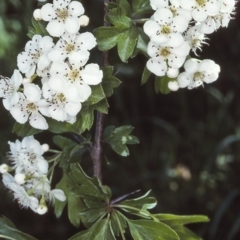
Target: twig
pixel 96 152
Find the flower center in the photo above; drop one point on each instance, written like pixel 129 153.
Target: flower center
pixel 62 14
pixel 164 52
pixel 197 76
pixel 69 48
pixel 61 98
pixel 165 29
pixel 173 10
pixel 31 107
pixel 74 75
pixel 201 3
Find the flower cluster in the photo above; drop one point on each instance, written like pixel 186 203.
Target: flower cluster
pixel 30 184
pixel 61 64
pixel 178 26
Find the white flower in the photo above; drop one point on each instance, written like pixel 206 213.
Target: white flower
pixel 24 199
pixel 73 46
pixel 165 28
pixel 200 9
pixel 174 57
pixel 30 105
pixel 62 16
pixel 197 72
pixel 9 89
pixel 64 99
pixel 26 157
pixel 35 55
pixel 195 38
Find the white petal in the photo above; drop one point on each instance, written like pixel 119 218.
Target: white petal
pixel 91 74
pixel 59 194
pixel 184 79
pixel 72 25
pixel 42 165
pixel 163 16
pixel 73 108
pixel 157 66
pixel 57 113
pixel 76 9
pixel 32 92
pixel 57 83
pixel 79 58
pixel 86 41
pixel 191 65
pixel 38 121
pixel 57 55
pixel 55 28
pixel 47 12
pixel 199 15
pixel 151 27
pixel 17 78
pixel 84 92
pixel 19 115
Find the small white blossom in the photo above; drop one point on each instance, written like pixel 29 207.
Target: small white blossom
pixel 29 107
pixel 73 46
pixel 9 89
pixel 173 85
pixel 4 168
pixel 164 28
pixel 62 16
pixel 37 14
pixel 84 21
pixel 35 55
pixel 198 72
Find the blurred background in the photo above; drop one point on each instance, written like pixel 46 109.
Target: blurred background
pixel 189 151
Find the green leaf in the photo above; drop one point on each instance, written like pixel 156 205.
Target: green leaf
pixel 161 84
pixel 24 130
pixel 125 6
pixel 145 76
pixel 60 127
pixel 99 231
pixel 147 229
pixel 62 142
pixel 109 81
pixel 117 138
pixel 39 27
pixel 143 202
pixel 116 220
pixel 9 231
pixel 75 204
pixel 142 43
pixel 185 234
pixel 97 94
pixel 172 219
pixel 176 223
pixel 75 207
pixel 126 43
pixel 118 18
pixel 86 186
pixel 107 37
pixel 141 7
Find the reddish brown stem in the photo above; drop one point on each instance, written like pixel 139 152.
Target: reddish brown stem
pixel 96 152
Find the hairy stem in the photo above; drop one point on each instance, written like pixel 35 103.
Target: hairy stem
pixel 96 152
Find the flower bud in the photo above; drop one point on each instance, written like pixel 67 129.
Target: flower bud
pixel 37 15
pixel 173 86
pixel 42 209
pixel 45 147
pixel 4 168
pixel 84 20
pixel 20 178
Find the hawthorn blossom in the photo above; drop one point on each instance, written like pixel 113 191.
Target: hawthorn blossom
pixel 64 99
pixel 35 55
pixel 198 72
pixel 195 38
pixel 9 89
pixel 30 106
pixel 62 16
pixel 24 199
pixel 200 9
pixel 164 28
pixel 164 56
pixel 73 45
